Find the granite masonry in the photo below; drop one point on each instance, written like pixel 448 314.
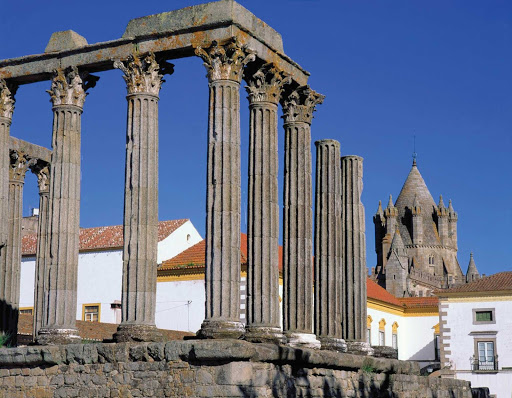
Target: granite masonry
pixel 234 46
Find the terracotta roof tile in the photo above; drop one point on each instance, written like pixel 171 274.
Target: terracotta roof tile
pixel 110 237
pixel 419 302
pixel 498 282
pixel 374 291
pixel 194 256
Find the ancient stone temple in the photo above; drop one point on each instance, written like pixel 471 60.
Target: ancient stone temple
pixel 416 242
pixel 324 309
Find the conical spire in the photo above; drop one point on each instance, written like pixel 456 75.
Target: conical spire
pixel 441 203
pixel 379 210
pixel 472 273
pixel 390 202
pixel 450 206
pixel 397 242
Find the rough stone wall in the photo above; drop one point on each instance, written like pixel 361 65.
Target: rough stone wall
pixel 225 368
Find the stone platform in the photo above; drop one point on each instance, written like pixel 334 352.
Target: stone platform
pixel 206 368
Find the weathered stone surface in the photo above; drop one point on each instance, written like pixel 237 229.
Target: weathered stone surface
pixel 354 250
pixel 298 107
pixel 65 40
pixel 328 255
pixel 7 309
pixel 144 77
pixel 262 308
pixel 224 65
pixel 296 372
pixel 203 16
pixel 68 92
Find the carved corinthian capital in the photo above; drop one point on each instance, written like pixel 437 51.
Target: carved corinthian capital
pixel 143 74
pixel 7 92
pixel 42 170
pixel 19 163
pixel 266 85
pixel 225 61
pixel 69 86
pixel 300 104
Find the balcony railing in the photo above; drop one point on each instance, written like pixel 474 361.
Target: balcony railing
pixel 489 365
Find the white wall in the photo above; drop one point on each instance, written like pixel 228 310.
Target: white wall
pixel 415 334
pixel 181 239
pixel 462 334
pixel 173 310
pixel 100 273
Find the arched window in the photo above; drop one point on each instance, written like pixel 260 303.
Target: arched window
pixel 394 340
pixel 431 259
pixel 382 332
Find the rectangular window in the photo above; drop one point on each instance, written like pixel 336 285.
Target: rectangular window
pixel 369 336
pixel 27 310
pixel 483 316
pixel 486 355
pixel 394 341
pixel 382 339
pixel 91 312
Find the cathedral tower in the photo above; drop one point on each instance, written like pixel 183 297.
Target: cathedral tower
pixel 419 237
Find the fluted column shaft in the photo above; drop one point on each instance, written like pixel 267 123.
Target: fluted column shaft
pixel 354 250
pixel 17 170
pixel 42 252
pixel 144 79
pixel 8 313
pixel 263 320
pixel 224 64
pixel 328 255
pixel 298 109
pixel 60 298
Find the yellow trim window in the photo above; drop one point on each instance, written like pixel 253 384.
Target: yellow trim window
pixel 91 312
pixel 394 336
pixel 27 310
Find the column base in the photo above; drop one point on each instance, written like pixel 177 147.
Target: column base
pixel 50 336
pixel 302 340
pixel 264 334
pixel 359 348
pixel 332 343
pixel 137 332
pixel 221 330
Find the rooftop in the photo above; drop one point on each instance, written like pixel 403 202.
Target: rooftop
pixel 499 282
pixel 103 238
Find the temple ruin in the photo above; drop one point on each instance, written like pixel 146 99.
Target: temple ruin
pixel 323 306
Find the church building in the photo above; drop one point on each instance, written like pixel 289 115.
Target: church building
pixel 416 242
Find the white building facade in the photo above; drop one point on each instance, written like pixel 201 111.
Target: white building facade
pixel 476 333
pixel 100 265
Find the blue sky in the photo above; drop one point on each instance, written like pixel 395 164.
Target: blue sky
pixel 440 70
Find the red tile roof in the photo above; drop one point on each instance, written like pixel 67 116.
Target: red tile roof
pixel 419 302
pixel 101 238
pixel 194 257
pixel 493 283
pixel 374 291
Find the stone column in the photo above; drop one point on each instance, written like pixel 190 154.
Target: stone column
pixel 144 78
pixel 328 258
pixel 263 320
pixel 298 108
pixel 354 256
pixel 8 312
pixel 68 92
pixel 42 171
pixel 18 167
pixel 224 64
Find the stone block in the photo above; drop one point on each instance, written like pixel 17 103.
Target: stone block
pixel 65 40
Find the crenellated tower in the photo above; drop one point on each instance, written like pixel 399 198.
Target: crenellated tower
pixel 417 237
